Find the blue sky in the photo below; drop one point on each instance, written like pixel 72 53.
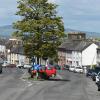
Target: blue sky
pixel 77 14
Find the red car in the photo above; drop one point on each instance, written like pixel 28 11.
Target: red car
pixel 50 71
pixel 45 72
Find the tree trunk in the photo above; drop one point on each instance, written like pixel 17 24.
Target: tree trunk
pixel 37 60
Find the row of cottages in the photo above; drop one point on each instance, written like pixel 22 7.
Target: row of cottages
pixel 17 56
pixel 15 52
pixel 2 46
pixel 98 54
pixel 78 51
pixel 2 50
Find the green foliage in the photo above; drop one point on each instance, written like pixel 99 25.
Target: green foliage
pixel 40 27
pixel 98 39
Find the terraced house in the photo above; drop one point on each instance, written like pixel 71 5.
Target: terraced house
pixel 77 51
pixel 15 52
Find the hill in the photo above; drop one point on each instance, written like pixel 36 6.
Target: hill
pixel 6 31
pixel 88 34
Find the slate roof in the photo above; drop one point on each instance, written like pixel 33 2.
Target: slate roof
pixel 74 45
pixel 3 41
pixel 10 44
pixel 98 43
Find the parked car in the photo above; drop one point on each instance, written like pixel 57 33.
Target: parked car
pixel 48 72
pixel 78 70
pixel 27 66
pixel 66 67
pixel 45 72
pixel 89 72
pixel 97 78
pixel 5 64
pixel 95 73
pixel 98 85
pixel 57 67
pixel 0 69
pixel 19 66
pixel 71 68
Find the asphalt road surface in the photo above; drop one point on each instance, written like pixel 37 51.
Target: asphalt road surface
pixel 66 86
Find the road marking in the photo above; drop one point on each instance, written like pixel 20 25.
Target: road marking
pixel 59 76
pixel 29 84
pixel 23 79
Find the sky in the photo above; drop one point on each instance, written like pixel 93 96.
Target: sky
pixel 81 15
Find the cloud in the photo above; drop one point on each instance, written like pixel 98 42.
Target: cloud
pixel 77 14
pixel 57 1
pixel 7 11
pixel 81 14
pixel 53 1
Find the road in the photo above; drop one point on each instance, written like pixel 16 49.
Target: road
pixel 66 86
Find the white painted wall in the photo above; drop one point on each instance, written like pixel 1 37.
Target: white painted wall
pixel 89 55
pixel 21 59
pixel 9 58
pixel 98 56
pixel 62 56
pixel 2 48
pixel 76 57
pixel 84 58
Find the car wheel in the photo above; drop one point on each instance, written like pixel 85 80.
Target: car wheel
pixel 53 75
pixel 94 80
pixel 98 88
pixel 0 71
pixel 29 70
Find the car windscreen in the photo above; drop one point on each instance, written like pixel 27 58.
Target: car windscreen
pixel 78 67
pixel 97 69
pixel 72 67
pixel 99 74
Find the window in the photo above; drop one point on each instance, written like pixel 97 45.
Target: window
pixel 77 63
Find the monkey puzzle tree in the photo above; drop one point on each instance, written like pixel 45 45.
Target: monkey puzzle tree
pixel 40 28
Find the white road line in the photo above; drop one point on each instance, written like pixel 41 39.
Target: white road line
pixel 29 84
pixel 23 79
pixel 59 76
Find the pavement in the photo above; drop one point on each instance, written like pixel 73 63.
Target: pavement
pixel 92 90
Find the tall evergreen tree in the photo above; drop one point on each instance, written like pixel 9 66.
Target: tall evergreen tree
pixel 40 28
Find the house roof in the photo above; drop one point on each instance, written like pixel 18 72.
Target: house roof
pixel 74 45
pixel 3 41
pixel 12 42
pixel 98 43
pixel 9 44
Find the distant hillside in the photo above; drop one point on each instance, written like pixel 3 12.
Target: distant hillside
pixel 6 31
pixel 88 34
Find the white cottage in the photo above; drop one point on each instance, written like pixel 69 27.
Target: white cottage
pixel 16 56
pixel 3 49
pixel 77 53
